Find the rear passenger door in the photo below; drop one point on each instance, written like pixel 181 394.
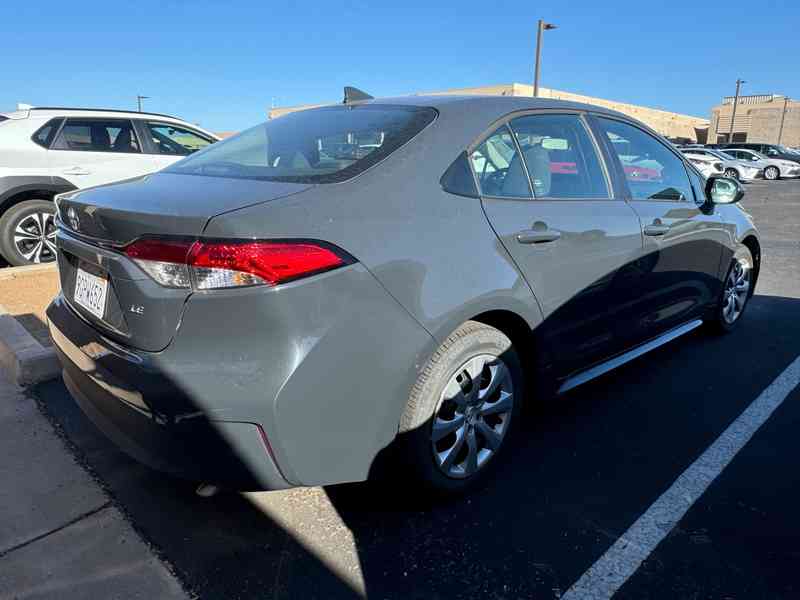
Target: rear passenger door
pixel 550 199
pixel 94 151
pixel 682 235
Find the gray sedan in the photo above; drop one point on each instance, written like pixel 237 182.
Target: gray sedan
pixel 379 287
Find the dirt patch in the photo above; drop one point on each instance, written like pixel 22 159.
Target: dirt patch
pixel 26 295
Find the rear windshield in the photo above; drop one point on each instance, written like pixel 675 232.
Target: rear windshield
pixel 322 145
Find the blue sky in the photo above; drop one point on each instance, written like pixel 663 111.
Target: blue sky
pixel 221 63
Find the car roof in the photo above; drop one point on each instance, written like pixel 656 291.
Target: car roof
pixel 49 112
pixel 502 103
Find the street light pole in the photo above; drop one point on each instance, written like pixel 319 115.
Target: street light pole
pixel 739 82
pixel 139 101
pixel 542 27
pixel 783 117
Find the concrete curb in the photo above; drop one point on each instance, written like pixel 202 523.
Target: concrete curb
pixel 25 360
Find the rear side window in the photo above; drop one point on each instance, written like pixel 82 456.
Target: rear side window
pixel 175 141
pixel 561 158
pixel 45 134
pixel 499 168
pixel 98 135
pixel 323 145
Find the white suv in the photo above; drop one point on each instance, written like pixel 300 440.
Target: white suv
pixel 46 151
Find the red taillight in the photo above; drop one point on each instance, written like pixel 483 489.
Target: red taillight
pixel 209 264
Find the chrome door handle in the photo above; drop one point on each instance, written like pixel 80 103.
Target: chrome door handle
pixel 656 229
pixel 538 236
pixel 76 171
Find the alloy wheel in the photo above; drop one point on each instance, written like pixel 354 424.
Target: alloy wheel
pixel 35 237
pixel 737 289
pixel 472 416
pixel 731 173
pixel 771 173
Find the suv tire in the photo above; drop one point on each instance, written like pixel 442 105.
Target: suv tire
pixel 27 233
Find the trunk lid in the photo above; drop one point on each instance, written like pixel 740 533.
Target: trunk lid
pixel 95 223
pixel 162 204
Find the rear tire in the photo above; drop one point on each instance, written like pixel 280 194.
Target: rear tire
pixel 27 233
pixel 462 411
pixel 737 288
pixel 772 173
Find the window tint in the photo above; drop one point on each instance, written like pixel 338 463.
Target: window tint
pixel 560 156
pixel 97 135
pixel 498 167
pixel 322 145
pixel 175 141
pixel 458 178
pixel 44 135
pixel 652 171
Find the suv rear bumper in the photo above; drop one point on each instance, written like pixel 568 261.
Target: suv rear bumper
pixel 152 419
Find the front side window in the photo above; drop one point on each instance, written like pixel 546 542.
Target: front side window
pixel 560 156
pixel 97 135
pixel 652 171
pixel 175 141
pixel 322 145
pixel 498 167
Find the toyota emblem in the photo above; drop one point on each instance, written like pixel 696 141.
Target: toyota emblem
pixel 72 216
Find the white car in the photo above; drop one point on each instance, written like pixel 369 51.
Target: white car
pixel 707 165
pixel 774 168
pixel 46 151
pixel 736 169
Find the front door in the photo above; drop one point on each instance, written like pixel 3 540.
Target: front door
pixel 682 237
pixel 575 242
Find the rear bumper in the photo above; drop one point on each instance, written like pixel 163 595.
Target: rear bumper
pixel 149 417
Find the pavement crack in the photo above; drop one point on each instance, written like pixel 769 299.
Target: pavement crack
pixel 94 511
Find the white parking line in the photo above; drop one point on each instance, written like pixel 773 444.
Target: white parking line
pixel 622 559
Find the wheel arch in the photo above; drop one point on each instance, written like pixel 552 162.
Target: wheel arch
pixel 752 244
pixel 14 190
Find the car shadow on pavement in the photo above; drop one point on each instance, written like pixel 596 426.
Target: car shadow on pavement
pixel 585 467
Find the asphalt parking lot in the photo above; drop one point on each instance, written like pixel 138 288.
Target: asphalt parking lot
pixel 588 467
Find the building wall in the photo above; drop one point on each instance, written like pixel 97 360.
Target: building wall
pixel 669 124
pixel 758 119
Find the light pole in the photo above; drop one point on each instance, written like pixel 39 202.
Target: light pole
pixel 139 101
pixel 783 117
pixel 739 82
pixel 542 27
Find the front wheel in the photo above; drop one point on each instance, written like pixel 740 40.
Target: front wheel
pixel 736 291
pixel 732 173
pixel 462 410
pixel 772 173
pixel 28 233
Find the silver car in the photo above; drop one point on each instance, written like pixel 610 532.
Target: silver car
pixel 774 168
pixel 733 168
pixel 379 286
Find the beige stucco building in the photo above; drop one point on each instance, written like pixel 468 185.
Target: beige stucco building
pixel 669 124
pixel 758 119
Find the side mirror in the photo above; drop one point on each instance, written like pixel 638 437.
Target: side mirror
pixel 723 190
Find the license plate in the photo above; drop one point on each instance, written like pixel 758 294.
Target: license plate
pixel 90 292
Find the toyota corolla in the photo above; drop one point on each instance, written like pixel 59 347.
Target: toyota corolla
pixel 385 277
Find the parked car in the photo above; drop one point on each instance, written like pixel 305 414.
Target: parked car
pixel 707 165
pixel 774 168
pixel 768 150
pixel 262 315
pixel 737 169
pixel 44 151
